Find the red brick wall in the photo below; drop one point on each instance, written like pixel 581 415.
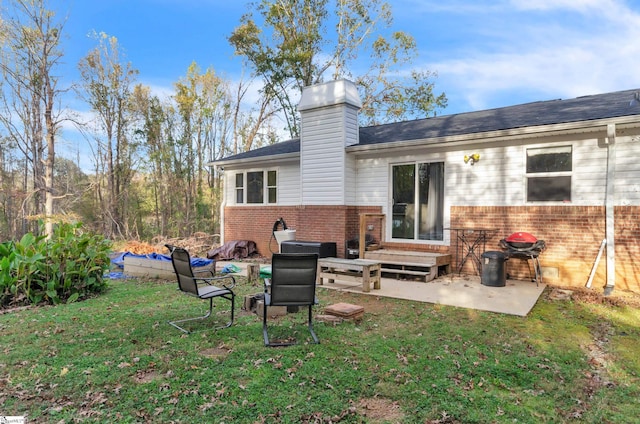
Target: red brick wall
pixel 573 235
pixel 627 229
pixel 312 223
pixel 256 224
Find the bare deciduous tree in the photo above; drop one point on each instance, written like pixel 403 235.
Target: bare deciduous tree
pixel 30 115
pixel 106 87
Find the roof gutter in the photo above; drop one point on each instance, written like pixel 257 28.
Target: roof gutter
pixel 223 205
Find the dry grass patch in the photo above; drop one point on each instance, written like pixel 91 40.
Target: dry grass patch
pixel 380 410
pixel 146 376
pixel 592 296
pixel 216 352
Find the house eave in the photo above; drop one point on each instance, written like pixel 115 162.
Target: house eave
pixel 261 160
pixel 631 121
pixel 501 135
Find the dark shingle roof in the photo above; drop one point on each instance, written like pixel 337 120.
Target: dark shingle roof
pixel 585 108
pixel 282 148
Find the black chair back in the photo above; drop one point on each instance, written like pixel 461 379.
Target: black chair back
pixel 182 266
pixel 188 281
pixel 293 279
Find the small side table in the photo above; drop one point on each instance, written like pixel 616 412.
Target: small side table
pixel 471 243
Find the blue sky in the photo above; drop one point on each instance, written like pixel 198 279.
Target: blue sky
pixel 487 53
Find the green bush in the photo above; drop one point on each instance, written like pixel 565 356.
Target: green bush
pixel 67 267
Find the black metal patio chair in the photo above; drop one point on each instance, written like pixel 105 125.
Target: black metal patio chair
pixel 292 284
pixel 190 283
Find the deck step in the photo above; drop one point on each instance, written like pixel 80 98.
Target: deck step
pixel 423 264
pixel 404 271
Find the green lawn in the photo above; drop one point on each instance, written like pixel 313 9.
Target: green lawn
pixel 115 359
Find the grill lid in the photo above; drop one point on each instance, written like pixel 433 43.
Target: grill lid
pixel 521 242
pixel 521 237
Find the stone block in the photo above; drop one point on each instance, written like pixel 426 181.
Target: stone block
pixel 272 311
pixel 250 301
pixel 345 310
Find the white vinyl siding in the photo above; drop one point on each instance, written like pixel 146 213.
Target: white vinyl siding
pixel 498 179
pixel 289 185
pixel 351 174
pixel 589 176
pixel 627 182
pixel 329 177
pixel 230 189
pixel 373 182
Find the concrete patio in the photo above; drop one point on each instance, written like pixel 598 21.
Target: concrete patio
pixel 465 291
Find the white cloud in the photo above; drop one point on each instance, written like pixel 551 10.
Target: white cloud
pixel 591 53
pixel 163 92
pixel 578 5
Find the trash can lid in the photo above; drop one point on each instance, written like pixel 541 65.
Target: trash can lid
pixel 494 254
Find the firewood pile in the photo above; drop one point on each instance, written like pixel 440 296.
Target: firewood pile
pixel 198 244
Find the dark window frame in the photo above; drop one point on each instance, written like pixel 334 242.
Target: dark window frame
pixel 548 174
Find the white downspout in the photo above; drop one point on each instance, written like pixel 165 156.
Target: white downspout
pixel 609 209
pixel 223 204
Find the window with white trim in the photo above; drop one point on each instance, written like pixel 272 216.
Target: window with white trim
pixel 548 174
pixel 254 187
pixel 239 188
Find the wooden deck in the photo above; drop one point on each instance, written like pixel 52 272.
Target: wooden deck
pixel 411 263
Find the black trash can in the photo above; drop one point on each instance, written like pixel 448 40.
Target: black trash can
pixel 494 272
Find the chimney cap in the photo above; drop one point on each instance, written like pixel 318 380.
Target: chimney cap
pixel 331 93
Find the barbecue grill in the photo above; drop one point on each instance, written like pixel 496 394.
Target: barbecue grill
pixel 525 246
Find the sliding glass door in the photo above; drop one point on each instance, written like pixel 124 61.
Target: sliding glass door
pixel 418 201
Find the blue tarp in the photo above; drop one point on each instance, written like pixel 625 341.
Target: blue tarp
pixel 230 269
pixel 119 260
pixel 115 275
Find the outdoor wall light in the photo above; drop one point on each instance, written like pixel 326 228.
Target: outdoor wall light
pixel 472 158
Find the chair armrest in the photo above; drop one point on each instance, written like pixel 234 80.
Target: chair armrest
pixel 201 271
pixel 220 278
pixel 233 282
